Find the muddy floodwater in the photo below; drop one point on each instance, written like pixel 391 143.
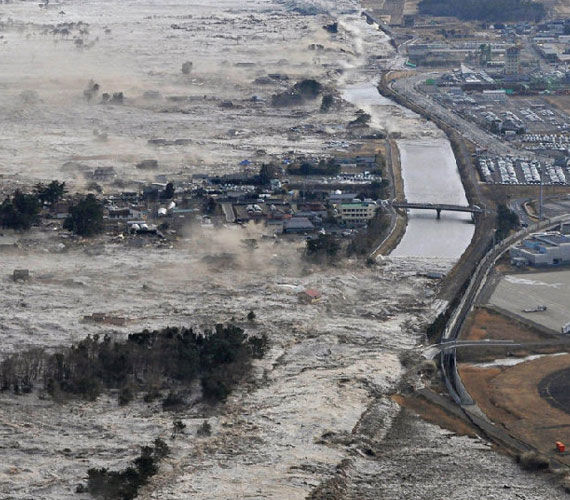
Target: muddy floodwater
pixel 316 413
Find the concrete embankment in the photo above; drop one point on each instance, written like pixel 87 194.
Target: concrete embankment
pixel 399 220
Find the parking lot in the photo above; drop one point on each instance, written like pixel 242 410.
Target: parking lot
pixel 529 115
pixel 520 170
pixel 546 142
pixel 518 292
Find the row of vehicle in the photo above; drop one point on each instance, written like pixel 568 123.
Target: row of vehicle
pixel 486 167
pixel 508 169
pixel 530 172
pixel 556 174
pixel 557 142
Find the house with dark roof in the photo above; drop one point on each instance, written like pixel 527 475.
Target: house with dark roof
pixel 298 225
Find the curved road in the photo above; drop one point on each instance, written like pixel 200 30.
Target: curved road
pixel 453 328
pixel 469 130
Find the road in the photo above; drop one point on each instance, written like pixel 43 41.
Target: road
pixel 517 206
pixel 483 139
pixel 448 357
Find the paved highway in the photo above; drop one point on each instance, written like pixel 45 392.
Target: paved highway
pixel 469 130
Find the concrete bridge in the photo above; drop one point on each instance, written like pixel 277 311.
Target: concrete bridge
pixel 438 207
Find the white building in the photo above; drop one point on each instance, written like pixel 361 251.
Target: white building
pixel 357 213
pixel 543 249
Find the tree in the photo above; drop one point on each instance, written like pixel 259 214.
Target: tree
pixel 20 212
pixel 506 221
pixel 326 103
pixel 265 175
pixel 51 193
pixel 169 191
pixel 209 205
pixel 324 245
pixel 85 218
pixel 205 429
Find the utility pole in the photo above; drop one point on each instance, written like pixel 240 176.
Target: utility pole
pixel 540 197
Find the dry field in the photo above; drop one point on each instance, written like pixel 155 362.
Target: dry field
pixel 562 102
pixel 485 324
pixel 509 397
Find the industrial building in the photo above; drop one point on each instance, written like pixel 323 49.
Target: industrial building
pixel 542 249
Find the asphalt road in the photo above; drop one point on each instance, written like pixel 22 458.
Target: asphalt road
pixel 469 130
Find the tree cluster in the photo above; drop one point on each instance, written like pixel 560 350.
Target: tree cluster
pixel 20 211
pixel 485 10
pixel 325 247
pixel 50 194
pixel 365 241
pixel 171 357
pixel 305 90
pixel 328 168
pixel 125 484
pixel 86 217
pixel 362 120
pixel 375 190
pixel 267 172
pixel 507 220
pixel 327 103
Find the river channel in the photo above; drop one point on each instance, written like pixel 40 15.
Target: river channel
pixel 430 174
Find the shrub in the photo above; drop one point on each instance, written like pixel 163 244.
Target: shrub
pixel 124 485
pixel 178 426
pixel 173 401
pixel 258 346
pixel 533 461
pixel 126 395
pixel 205 429
pixel 161 449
